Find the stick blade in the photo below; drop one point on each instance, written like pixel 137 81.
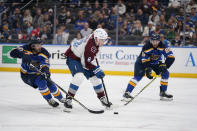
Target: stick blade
pixel 96 112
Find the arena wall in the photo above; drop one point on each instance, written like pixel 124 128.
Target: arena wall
pixel 114 60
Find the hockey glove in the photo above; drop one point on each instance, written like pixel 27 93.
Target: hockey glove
pixel 148 72
pixel 98 72
pixel 162 68
pixel 45 73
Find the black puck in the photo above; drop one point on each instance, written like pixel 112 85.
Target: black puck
pixel 115 112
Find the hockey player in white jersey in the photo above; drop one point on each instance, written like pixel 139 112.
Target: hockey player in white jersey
pixel 81 60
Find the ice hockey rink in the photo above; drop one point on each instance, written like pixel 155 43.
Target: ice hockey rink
pixel 22 108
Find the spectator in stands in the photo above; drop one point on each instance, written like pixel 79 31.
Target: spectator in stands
pixel 179 27
pixel 156 6
pixel 96 6
pixel 60 37
pixel 102 20
pixel 5 34
pixel 105 9
pixel 142 17
pixel 157 30
pixel 193 16
pixel 4 18
pixel 121 7
pixel 174 4
pixel 79 23
pixel 92 23
pixel 138 28
pixel 188 34
pixel 51 15
pixel 154 17
pixel 87 8
pixel 190 5
pixel 180 15
pixel 46 21
pixel 165 41
pixel 45 33
pixel 27 17
pixel 38 18
pixel 189 22
pixel 74 3
pixel 69 19
pixel 170 34
pixel 162 21
pixel 36 31
pixel 77 39
pixel 62 16
pixel 148 29
pixel 125 28
pixel 29 28
pixel 176 41
pixel 145 7
pixel 86 31
pixel 112 19
pixel 16 18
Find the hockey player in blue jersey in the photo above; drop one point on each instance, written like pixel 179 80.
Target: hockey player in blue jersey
pixel 150 59
pixel 35 54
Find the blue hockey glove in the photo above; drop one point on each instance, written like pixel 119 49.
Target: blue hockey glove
pixel 98 72
pixel 148 72
pixel 162 68
pixel 45 73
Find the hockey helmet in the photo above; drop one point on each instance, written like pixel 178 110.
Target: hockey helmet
pixel 155 37
pixel 100 34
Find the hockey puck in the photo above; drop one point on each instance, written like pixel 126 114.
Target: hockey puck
pixel 116 113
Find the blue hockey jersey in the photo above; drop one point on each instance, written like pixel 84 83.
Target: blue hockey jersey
pixel 39 60
pixel 150 55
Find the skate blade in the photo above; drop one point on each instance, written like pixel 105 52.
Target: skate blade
pixel 166 99
pixel 67 110
pixel 126 99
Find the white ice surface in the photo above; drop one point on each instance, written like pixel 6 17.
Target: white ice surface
pixel 22 108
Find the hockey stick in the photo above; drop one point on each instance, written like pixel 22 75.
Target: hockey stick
pixel 140 91
pixel 49 79
pixel 103 84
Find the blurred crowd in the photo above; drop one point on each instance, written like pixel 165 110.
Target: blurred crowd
pixel 78 18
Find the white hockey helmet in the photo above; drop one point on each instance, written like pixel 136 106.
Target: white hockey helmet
pixel 100 34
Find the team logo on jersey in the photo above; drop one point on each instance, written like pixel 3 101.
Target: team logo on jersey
pixel 94 49
pixel 154 57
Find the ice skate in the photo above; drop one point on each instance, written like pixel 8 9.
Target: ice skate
pixel 127 97
pixel 52 102
pixel 68 102
pixel 105 102
pixel 165 97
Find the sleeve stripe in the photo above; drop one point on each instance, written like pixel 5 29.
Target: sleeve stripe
pixel 171 56
pixel 161 49
pixel 148 50
pixel 28 51
pixel 143 61
pixel 41 54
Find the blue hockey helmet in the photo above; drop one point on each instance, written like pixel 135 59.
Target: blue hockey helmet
pixel 155 37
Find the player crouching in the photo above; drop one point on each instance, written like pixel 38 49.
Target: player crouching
pixel 150 59
pixel 81 62
pixel 35 54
